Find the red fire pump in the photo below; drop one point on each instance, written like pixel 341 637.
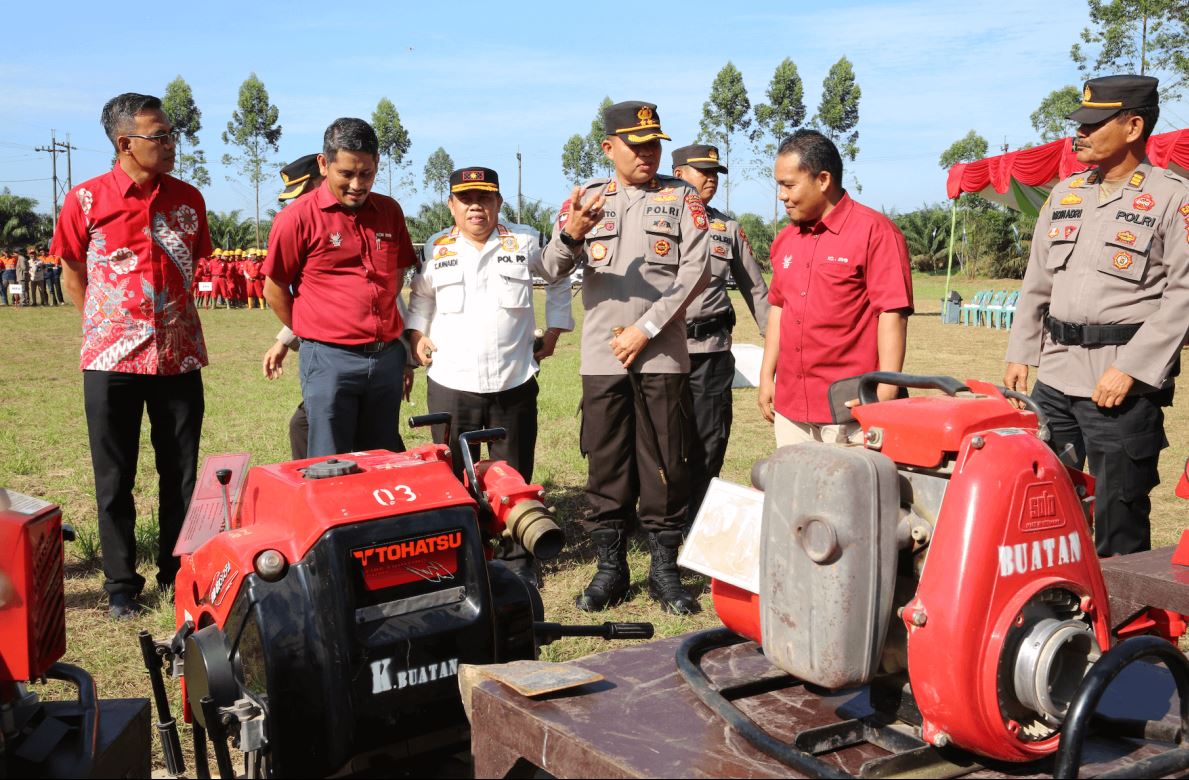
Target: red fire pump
pixel 947 562
pixel 323 615
pixel 81 738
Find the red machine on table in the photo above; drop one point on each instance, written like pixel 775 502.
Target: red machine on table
pixel 948 561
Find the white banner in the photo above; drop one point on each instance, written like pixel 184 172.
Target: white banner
pixel 206 287
pixel 15 289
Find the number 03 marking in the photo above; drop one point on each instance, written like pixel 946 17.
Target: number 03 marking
pixel 386 497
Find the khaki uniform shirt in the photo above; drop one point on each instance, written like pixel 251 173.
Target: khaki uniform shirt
pixel 730 255
pixel 1122 260
pixel 644 263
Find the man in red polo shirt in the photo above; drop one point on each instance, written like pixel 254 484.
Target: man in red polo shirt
pixel 335 266
pixel 841 295
pixel 130 240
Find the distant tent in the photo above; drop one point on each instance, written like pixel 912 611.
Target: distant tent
pixel 1022 180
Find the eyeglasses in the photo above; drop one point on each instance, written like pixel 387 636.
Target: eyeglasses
pixel 162 138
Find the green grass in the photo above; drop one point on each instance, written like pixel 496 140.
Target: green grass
pixel 44 452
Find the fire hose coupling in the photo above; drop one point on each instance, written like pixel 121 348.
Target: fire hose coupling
pixel 531 525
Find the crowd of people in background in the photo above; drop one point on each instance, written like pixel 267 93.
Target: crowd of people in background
pixel 232 278
pixel 30 277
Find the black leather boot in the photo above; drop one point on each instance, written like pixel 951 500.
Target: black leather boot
pixel 664 581
pixel 611 580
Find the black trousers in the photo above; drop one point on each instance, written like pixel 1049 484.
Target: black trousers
pixel 637 431
pixel 115 405
pixel 1123 447
pixel 710 378
pixel 299 434
pixel 514 410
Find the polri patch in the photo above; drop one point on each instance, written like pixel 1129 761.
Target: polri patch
pixel 662 247
pixel 1122 260
pixel 598 251
pixel 1125 237
pixel 1144 202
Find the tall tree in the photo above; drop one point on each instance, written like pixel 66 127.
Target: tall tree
pixel 1049 117
pixel 1149 37
pixel 783 113
pixel 725 113
pixel 437 172
pixel 968 148
pixel 178 104
pixel 394 139
pixel 576 164
pixel 838 113
pixel 254 129
pixel 594 142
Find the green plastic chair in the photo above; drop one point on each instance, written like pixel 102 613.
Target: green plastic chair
pixel 991 308
pixel 1009 310
pixel 970 310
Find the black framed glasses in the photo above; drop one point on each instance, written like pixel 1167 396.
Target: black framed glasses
pixel 161 138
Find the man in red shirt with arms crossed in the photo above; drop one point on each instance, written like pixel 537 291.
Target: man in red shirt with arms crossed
pixel 131 239
pixel 335 266
pixel 841 295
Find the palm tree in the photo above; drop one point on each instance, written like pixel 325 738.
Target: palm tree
pixel 927 232
pixel 19 223
pixel 228 231
pixel 535 214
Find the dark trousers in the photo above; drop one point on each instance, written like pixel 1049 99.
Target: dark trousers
pixel 53 283
pixel 352 398
pixel 514 410
pixel 1123 447
pixel 6 278
pixel 710 378
pixel 39 293
pixel 115 405
pixel 625 453
pixel 299 434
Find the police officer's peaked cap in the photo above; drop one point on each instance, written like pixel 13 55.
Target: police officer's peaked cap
pixel 634 121
pixel 1104 97
pixel 296 174
pixel 703 156
pixel 465 179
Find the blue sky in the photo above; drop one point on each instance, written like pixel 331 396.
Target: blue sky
pixel 481 80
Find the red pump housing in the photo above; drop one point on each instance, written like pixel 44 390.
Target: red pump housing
pixel 1009 606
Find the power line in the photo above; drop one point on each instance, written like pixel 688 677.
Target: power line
pixel 20 181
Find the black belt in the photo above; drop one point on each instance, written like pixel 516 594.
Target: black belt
pixel 700 329
pixel 1071 334
pixel 370 348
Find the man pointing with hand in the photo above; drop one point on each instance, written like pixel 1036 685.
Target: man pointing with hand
pixel 642 239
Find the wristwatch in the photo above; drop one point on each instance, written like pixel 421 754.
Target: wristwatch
pixel 569 240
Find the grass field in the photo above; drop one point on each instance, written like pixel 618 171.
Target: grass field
pixel 43 452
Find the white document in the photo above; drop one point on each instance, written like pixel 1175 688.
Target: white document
pixel 724 542
pixel 748 358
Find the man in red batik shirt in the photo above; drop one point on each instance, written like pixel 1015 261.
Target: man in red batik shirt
pixel 335 266
pixel 130 240
pixel 841 295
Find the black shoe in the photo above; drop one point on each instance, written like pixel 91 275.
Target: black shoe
pixel 122 606
pixel 664 580
pixel 611 580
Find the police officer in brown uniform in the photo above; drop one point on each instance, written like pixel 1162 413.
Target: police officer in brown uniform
pixel 1105 306
pixel 711 316
pixel 643 240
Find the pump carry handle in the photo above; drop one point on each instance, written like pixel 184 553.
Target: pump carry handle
pixel 486 435
pixel 869 382
pixel 434 418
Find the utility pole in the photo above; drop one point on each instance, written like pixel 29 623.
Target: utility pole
pixel 519 190
pixel 65 146
pixel 1005 144
pixel 53 150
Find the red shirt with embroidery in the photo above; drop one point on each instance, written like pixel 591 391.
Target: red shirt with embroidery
pixel 345 266
pixel 832 279
pixel 140 246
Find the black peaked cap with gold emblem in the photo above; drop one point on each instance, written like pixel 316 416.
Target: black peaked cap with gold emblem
pixel 296 174
pixel 702 156
pixel 634 121
pixel 1104 97
pixel 473 178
